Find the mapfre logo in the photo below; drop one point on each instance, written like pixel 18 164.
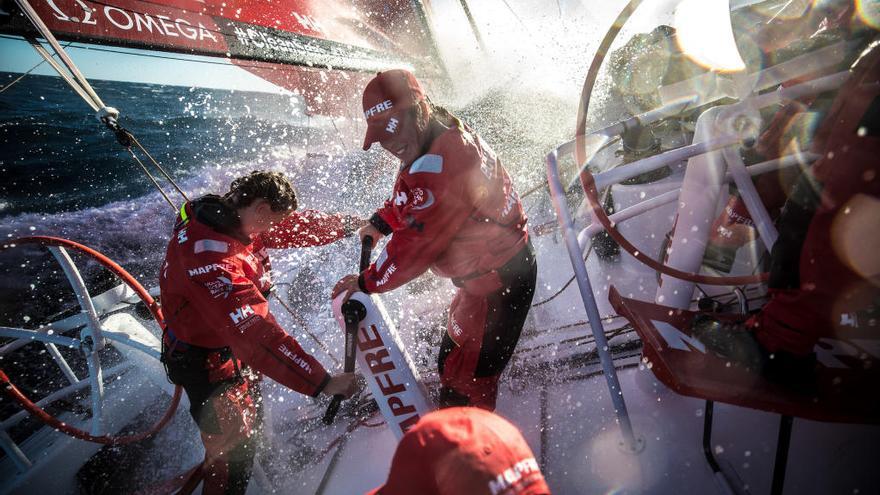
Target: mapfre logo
pixel 456 328
pixel 241 314
pixel 379 108
pixel 512 200
pixel 385 278
pixel 205 269
pixel 513 476
pixel 296 359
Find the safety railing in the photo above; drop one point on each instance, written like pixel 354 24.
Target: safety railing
pixel 91 337
pixel 737 125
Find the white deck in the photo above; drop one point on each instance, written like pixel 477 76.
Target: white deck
pixel 553 390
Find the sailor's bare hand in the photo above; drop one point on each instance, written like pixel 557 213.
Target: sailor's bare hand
pixel 352 224
pixel 369 230
pixel 344 384
pixel 348 284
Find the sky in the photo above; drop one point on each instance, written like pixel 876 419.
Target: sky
pixel 124 64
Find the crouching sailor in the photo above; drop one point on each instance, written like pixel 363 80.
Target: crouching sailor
pixel 214 284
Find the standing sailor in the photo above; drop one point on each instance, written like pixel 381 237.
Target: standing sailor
pixel 453 209
pixel 214 283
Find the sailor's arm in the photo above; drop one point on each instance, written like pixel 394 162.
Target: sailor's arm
pixel 310 228
pixel 234 305
pixel 427 223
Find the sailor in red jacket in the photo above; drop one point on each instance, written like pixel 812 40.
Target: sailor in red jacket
pixel 214 283
pixel 824 270
pixel 454 210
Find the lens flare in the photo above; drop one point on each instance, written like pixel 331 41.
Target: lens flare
pixel 705 34
pixel 798 136
pixel 773 11
pixel 855 237
pixel 869 12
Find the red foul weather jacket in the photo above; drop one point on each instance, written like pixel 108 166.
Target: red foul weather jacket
pixel 453 210
pixel 213 283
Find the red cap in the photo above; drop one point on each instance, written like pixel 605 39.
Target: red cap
pixel 385 97
pixel 463 450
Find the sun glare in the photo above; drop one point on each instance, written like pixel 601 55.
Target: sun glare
pixel 705 34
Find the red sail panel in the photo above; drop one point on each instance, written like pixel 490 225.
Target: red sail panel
pixel 147 24
pixel 326 92
pixel 326 33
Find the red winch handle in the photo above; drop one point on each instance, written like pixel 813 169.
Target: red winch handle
pixel 151 304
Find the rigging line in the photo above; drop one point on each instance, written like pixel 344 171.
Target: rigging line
pixel 544 182
pixel 47 34
pixel 147 172
pixel 19 78
pixel 301 322
pixel 81 91
pixel 161 169
pixel 473 24
pixel 41 62
pixel 534 189
pixel 586 256
pixel 338 134
pixel 518 19
pixel 560 291
pixel 47 57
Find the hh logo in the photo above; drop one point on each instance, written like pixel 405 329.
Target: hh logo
pixel 241 314
pixel 181 236
pixel 400 198
pixel 392 125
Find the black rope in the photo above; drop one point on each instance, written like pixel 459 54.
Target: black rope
pixel 161 169
pixel 560 291
pixel 538 187
pixel 589 250
pixel 153 179
pixel 302 323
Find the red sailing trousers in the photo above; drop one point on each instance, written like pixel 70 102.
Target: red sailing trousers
pixel 225 403
pixel 485 321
